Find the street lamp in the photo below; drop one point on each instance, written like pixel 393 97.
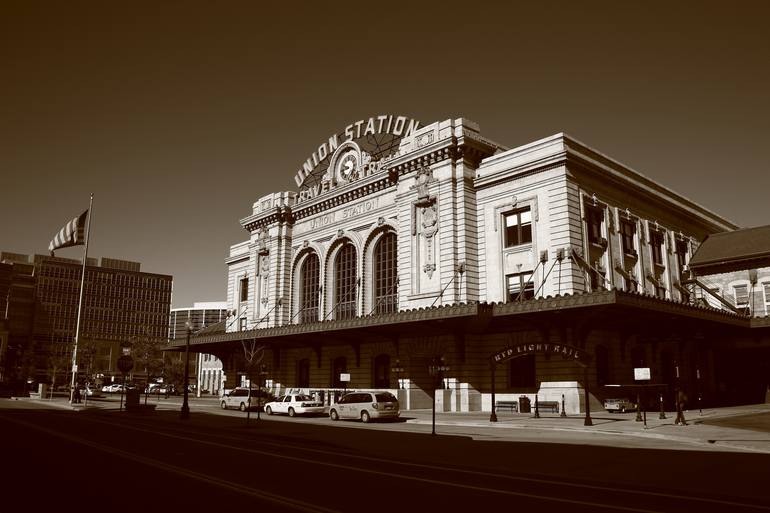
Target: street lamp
pixel 185 414
pixel 262 374
pixel 436 369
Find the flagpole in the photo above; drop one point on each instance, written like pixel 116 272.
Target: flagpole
pixel 80 305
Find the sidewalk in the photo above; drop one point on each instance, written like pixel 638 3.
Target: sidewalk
pixel 697 434
pixel 697 431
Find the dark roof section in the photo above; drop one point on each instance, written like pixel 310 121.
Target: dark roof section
pixel 469 317
pixel 738 250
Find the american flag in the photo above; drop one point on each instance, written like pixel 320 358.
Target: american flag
pixel 73 234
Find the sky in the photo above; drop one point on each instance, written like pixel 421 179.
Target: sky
pixel 178 116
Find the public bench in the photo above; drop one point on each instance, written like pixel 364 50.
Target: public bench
pixel 548 405
pixel 512 405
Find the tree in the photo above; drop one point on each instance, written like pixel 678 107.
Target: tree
pixel 253 354
pixel 147 354
pixel 59 361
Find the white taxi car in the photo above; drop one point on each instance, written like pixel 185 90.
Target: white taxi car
pixel 295 404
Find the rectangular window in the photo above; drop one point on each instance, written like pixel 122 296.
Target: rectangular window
pixel 242 324
pixel 681 256
pixel 741 295
pixel 515 283
pixel 244 289
pixel 656 245
pixel 518 227
pixel 594 220
pixel 767 298
pixel 627 232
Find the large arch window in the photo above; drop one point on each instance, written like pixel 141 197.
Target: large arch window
pixel 303 373
pixel 382 371
pixel 308 286
pixel 339 366
pixel 345 283
pixel 385 275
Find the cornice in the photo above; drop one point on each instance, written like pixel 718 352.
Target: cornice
pixel 269 217
pixel 342 195
pixel 236 258
pixel 593 161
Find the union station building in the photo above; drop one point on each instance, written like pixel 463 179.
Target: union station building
pixel 418 258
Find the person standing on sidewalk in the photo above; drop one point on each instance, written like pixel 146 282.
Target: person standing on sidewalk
pixel 681 399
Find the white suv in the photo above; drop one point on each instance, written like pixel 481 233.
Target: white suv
pixel 243 398
pixel 365 406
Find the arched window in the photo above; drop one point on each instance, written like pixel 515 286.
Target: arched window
pixel 602 365
pixel 339 366
pixel 385 275
pixel 303 373
pixel 382 371
pixel 345 283
pixel 308 287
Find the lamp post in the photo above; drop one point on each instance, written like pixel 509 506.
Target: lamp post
pixel 185 414
pixel 262 374
pixel 435 369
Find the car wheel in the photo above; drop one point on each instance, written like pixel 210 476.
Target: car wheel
pixel 334 415
pixel 292 412
pixel 224 405
pixel 269 410
pixel 243 407
pixel 365 417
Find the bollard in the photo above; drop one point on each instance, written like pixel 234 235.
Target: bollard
pixel 563 413
pixel 537 410
pixel 662 413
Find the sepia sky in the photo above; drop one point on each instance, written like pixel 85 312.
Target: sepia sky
pixel 179 115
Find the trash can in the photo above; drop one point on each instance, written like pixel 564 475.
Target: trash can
pixel 132 399
pixel 524 404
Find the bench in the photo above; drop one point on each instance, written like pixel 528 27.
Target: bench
pixel 512 405
pixel 548 405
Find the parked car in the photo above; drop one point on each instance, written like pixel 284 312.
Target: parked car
pixel 243 398
pixel 90 391
pixel 292 405
pixel 619 405
pixel 152 388
pixel 365 406
pixel 112 388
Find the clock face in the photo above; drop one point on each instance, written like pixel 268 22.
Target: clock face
pixel 346 166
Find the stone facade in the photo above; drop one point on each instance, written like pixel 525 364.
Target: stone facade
pixel 473 222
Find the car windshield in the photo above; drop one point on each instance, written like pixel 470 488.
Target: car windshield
pixel 385 397
pixel 304 398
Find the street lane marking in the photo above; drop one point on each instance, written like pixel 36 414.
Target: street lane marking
pixel 447 469
pixel 267 496
pixel 448 483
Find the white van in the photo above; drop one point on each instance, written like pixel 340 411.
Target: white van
pixel 365 406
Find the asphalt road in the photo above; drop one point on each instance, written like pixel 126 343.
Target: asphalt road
pixel 106 460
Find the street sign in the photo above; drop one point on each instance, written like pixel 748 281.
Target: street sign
pixel 642 373
pixel 125 363
pixel 344 377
